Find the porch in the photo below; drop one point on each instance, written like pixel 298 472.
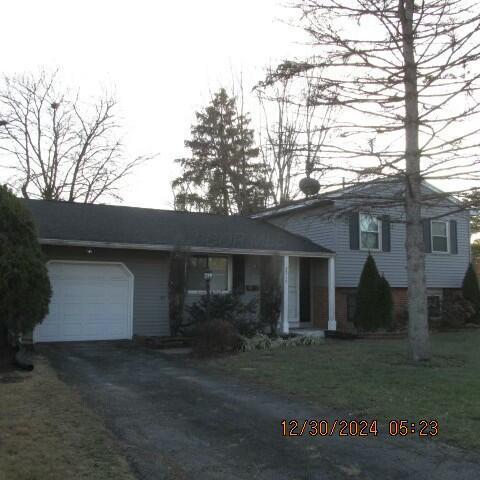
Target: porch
pixel 308 300
pixel 307 284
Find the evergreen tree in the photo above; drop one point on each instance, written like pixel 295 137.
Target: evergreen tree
pixel 365 310
pixel 221 176
pixel 470 288
pixel 374 302
pixel 24 284
pixel 385 303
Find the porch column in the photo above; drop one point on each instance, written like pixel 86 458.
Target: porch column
pixel 284 327
pixel 332 323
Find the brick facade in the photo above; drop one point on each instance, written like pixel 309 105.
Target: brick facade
pixel 400 306
pixel 320 307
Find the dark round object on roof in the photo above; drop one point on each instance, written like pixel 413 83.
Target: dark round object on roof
pixel 309 186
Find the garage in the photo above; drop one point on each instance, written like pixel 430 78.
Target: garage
pixel 90 301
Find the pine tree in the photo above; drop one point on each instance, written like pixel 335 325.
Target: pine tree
pixel 374 302
pixel 385 303
pixel 24 284
pixel 365 310
pixel 221 176
pixel 470 288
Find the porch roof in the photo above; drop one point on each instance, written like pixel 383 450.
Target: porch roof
pixel 67 223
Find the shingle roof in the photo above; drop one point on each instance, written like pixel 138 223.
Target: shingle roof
pixel 379 192
pixel 80 222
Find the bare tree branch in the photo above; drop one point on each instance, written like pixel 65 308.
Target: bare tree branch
pixel 59 147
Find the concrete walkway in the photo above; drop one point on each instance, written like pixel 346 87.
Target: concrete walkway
pixel 176 422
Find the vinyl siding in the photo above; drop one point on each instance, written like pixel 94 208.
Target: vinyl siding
pixel 150 271
pixel 320 226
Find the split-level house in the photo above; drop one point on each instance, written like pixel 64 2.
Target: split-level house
pixel 109 265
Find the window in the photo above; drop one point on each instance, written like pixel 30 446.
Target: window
pixel 369 232
pixel 439 236
pixel 218 265
pixel 434 306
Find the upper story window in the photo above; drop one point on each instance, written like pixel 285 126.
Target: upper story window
pixel 440 238
pixel 218 265
pixel 370 228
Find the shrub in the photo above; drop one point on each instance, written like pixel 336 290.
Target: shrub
pixel 471 290
pixel 177 289
pixel 25 289
pixel 374 303
pixel 385 303
pixel 270 292
pixel 216 337
pixel 456 311
pixel 227 307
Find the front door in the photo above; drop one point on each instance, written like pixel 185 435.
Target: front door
pixel 305 310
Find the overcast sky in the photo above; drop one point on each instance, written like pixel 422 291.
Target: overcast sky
pixel 162 59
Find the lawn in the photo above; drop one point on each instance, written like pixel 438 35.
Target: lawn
pixel 47 433
pixel 377 379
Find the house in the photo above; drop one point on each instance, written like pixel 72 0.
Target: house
pixel 109 264
pixel 371 219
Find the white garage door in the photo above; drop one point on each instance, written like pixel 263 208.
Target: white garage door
pixel 90 301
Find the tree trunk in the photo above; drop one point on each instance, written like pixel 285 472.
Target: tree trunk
pixel 417 291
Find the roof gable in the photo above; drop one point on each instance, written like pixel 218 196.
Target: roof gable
pixel 379 191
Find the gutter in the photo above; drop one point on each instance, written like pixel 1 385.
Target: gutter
pixel 169 248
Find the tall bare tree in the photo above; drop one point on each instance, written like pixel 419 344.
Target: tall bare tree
pixel 59 147
pixel 279 139
pixel 294 132
pixel 405 76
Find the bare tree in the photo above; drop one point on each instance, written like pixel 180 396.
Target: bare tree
pixel 292 143
pixel 278 139
pixel 404 76
pixel 318 125
pixel 58 147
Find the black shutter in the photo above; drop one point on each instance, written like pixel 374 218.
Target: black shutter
pixel 386 243
pixel 453 237
pixel 238 275
pixel 427 236
pixel 354 231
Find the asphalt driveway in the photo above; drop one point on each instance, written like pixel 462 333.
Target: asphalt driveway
pixel 176 422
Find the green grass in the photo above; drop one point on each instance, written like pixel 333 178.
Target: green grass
pixel 377 379
pixel 47 433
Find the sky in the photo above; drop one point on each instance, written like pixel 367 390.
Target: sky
pixel 162 59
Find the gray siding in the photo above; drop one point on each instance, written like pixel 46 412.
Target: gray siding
pixel 150 271
pixel 320 226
